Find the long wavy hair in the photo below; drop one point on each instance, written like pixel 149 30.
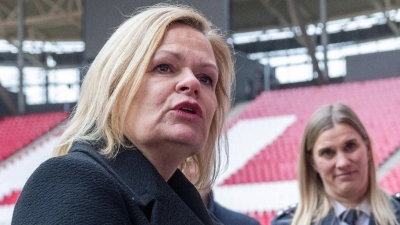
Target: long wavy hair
pixel 314 203
pixel 116 74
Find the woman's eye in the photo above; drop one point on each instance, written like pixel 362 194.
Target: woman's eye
pixel 327 153
pixel 163 68
pixel 351 146
pixel 206 80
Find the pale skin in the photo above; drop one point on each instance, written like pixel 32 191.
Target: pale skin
pixel 340 156
pixel 170 117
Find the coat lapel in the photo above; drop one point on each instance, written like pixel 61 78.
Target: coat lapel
pixel 175 202
pixel 190 196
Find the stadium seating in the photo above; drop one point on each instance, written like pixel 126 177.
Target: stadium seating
pixel 10 199
pixel 391 181
pixel 18 131
pixel 262 173
pixel 377 102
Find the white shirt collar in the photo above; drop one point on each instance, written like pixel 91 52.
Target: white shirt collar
pixel 363 207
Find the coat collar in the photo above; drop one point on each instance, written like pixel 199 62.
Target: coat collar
pixel 149 190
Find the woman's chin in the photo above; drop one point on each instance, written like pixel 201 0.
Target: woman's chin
pixel 188 135
pixel 352 191
pixel 189 140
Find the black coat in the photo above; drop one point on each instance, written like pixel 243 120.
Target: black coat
pixel 285 216
pixel 83 187
pixel 229 217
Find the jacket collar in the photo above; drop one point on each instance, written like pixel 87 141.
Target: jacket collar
pixel 332 219
pixel 151 193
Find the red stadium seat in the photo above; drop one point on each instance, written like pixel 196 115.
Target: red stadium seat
pixel 17 132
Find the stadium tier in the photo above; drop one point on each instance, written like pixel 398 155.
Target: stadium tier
pixel 26 141
pixel 17 132
pixel 264 142
pixel 265 138
pixel 390 181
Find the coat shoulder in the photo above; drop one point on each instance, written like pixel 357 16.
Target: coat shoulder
pixel 284 216
pixel 70 186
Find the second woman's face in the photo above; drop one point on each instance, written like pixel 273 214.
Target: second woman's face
pixel 340 156
pixel 176 100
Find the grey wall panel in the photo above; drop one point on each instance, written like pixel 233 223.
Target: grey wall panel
pixel 373 66
pixel 101 17
pixel 250 79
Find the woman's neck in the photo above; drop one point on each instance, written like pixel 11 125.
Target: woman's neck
pixel 349 203
pixel 166 159
pixel 348 200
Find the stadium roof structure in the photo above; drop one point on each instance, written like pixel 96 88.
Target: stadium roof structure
pixel 45 20
pixel 60 20
pixel 252 15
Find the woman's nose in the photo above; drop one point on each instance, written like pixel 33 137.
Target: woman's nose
pixel 188 83
pixel 343 160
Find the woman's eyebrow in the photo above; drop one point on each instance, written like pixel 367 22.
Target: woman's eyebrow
pixel 178 56
pixel 352 140
pixel 173 54
pixel 324 148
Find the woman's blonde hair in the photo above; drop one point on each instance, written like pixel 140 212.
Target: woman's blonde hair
pixel 315 204
pixel 116 74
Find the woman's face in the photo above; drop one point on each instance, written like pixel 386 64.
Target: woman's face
pixel 176 100
pixel 340 156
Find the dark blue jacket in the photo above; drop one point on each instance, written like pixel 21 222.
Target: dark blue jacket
pixel 229 217
pixel 285 217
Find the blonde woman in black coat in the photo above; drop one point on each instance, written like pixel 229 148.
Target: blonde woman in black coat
pixel 156 95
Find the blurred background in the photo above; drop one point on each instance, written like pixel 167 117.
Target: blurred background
pixel 292 57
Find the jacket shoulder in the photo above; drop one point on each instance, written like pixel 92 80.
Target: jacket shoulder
pixel 284 216
pixel 396 202
pixel 227 216
pixel 396 197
